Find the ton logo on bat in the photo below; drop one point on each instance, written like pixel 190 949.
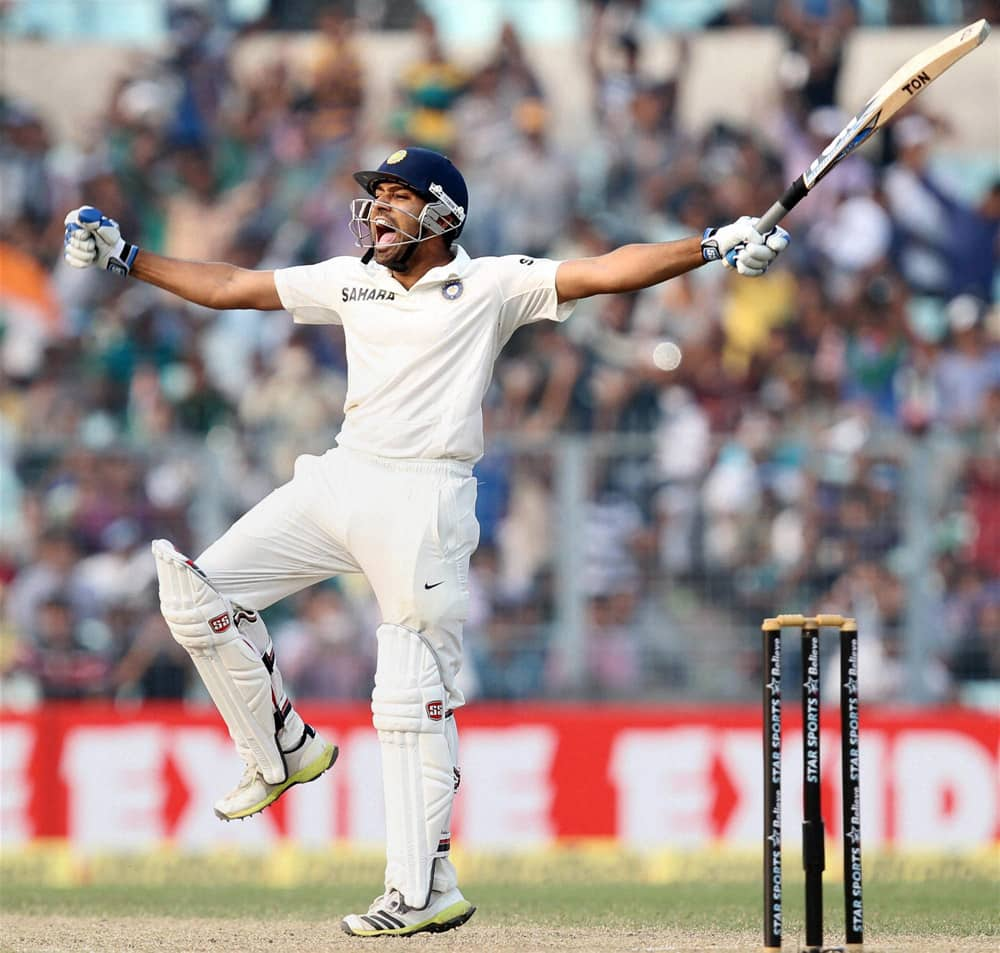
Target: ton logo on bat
pixel 918 82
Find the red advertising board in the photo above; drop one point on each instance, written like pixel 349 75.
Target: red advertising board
pixel 659 777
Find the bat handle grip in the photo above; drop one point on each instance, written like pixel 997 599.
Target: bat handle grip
pixel 793 195
pixel 771 218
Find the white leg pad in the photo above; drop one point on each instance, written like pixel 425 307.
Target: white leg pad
pixel 445 876
pixel 201 619
pixel 251 626
pixel 408 709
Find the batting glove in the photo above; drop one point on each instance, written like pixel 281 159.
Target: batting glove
pixel 742 247
pixel 93 238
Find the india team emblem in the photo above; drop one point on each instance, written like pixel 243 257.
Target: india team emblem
pixel 452 289
pixel 397 156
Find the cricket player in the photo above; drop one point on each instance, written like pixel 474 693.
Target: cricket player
pixel 395 499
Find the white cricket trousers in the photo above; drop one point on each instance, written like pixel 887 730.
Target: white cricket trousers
pixel 409 525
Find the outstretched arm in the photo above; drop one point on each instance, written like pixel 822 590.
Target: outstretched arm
pixel 94 239
pixel 628 268
pixel 632 267
pixel 213 284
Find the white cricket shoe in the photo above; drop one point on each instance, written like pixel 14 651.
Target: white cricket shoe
pixel 306 762
pixel 390 916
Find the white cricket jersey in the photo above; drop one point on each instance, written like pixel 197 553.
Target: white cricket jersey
pixel 419 362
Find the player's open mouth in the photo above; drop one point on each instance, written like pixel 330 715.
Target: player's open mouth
pixel 385 234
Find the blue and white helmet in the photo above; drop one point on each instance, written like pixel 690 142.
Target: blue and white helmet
pixel 432 176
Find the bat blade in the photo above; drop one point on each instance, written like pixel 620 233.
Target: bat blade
pixel 915 75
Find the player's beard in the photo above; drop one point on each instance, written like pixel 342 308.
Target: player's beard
pixel 396 256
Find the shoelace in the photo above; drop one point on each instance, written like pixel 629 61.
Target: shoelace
pixel 249 774
pixel 391 902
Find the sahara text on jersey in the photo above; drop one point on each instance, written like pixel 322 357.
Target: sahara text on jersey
pixel 366 294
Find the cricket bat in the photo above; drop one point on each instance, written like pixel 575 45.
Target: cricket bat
pixel 913 76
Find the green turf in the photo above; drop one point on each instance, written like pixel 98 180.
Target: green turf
pixel 946 907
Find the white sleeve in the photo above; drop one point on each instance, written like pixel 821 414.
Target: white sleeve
pixel 528 287
pixel 309 291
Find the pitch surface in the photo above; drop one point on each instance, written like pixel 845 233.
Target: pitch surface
pixel 946 915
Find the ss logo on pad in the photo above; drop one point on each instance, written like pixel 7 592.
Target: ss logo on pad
pixel 220 623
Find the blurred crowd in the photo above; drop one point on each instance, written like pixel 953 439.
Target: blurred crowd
pixel 829 441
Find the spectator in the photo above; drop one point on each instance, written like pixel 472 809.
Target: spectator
pixel 973 242
pixel 24 173
pixel 983 501
pixel 199 219
pixel 875 348
pixel 976 657
pixel 324 652
pixel 430 87
pixel 966 372
pixel 614 665
pixel 50 575
pixel 31 317
pixel 510 661
pixel 535 185
pixel 338 79
pixel 151 666
pixel 121 570
pixel 63 667
pixel 915 203
pixel 816 34
pixel 617 84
